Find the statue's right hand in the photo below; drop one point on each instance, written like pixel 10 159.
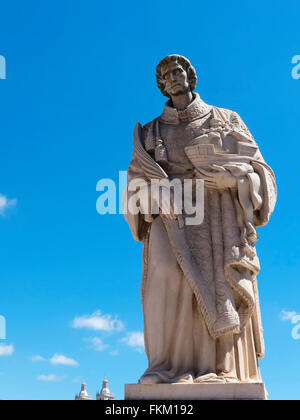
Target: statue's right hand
pixel 165 199
pixel 144 198
pixel 168 204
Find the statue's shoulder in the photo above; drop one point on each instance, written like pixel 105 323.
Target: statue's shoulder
pixel 149 130
pixel 145 131
pixel 148 126
pixel 228 114
pixel 235 122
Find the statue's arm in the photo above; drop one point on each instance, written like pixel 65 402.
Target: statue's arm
pixel 137 194
pixel 262 183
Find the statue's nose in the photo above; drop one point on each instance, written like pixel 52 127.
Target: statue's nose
pixel 173 77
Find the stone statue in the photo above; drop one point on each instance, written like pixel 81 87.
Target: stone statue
pixel 202 321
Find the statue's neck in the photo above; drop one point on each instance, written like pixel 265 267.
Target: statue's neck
pixel 180 102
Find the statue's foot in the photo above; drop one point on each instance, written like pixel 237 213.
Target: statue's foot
pixel 210 378
pixel 186 379
pixel 229 379
pixel 149 380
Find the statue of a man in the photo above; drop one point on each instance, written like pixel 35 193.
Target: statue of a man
pixel 200 300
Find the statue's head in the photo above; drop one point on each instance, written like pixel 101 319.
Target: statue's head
pixel 175 76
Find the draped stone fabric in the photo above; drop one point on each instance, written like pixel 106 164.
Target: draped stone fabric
pixel 213 331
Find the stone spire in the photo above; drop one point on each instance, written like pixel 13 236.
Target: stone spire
pixel 105 393
pixel 83 395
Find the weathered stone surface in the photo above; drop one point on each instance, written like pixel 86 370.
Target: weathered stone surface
pixel 199 288
pixel 242 391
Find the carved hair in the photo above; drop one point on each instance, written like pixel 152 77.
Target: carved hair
pixel 187 66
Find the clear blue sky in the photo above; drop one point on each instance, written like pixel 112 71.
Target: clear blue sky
pixel 79 76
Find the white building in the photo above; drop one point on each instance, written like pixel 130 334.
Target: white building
pixel 104 394
pixel 83 395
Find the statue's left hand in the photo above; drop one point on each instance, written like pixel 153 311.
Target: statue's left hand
pixel 218 178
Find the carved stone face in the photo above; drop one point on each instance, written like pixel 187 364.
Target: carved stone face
pixel 176 79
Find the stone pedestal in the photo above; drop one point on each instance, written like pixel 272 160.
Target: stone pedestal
pixel 242 391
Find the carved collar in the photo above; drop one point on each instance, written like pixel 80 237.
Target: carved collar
pixel 197 109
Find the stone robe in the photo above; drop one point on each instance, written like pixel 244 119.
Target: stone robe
pixel 212 332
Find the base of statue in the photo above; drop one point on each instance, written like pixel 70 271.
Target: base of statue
pixel 238 391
